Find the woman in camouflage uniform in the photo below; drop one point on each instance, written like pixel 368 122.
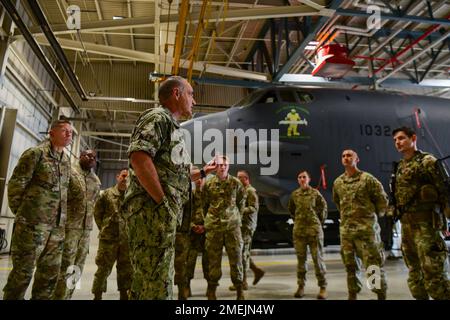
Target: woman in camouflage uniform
pixel 308 208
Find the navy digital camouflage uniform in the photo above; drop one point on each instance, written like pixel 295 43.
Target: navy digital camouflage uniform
pixel 224 202
pixel 359 199
pixel 197 241
pixel 308 209
pixel 152 226
pixel 113 244
pixel 419 190
pixel 182 246
pixel 248 227
pixel 84 188
pixel 37 195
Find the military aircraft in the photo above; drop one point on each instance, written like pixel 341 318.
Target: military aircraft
pixel 308 128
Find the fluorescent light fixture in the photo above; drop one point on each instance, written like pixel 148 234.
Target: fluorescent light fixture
pixel 312 45
pixel 118 17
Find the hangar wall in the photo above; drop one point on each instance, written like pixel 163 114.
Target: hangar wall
pixel 23 88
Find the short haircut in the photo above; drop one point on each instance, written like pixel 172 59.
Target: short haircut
pixel 167 86
pixel 245 171
pixel 224 157
pixel 120 170
pixel 87 150
pixel 307 173
pixel 58 123
pixel 407 130
pixel 353 151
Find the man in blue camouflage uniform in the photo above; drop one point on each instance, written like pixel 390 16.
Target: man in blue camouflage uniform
pixel 421 200
pixel 37 195
pixel 160 177
pixel 360 199
pixel 84 188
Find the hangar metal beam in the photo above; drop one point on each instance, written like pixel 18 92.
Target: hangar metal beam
pixel 105 134
pixel 232 15
pixel 15 16
pixel 149 58
pixel 297 54
pixel 307 79
pixel 385 16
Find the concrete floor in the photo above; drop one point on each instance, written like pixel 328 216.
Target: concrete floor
pixel 278 283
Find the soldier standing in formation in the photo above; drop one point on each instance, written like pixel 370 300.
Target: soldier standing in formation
pixel 360 197
pixel 248 227
pixel 419 194
pixel 113 244
pixel 197 236
pixel 160 175
pixel 37 195
pixel 84 188
pixel 224 199
pixel 308 209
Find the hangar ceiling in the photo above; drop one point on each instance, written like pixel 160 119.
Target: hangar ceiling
pixel 395 44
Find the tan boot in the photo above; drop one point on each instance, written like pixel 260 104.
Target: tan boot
pixel 123 294
pixel 300 292
pixel 211 292
pixel 381 295
pixel 189 289
pixel 258 272
pixel 244 286
pixel 322 294
pixel 182 292
pixel 240 292
pixel 352 296
pixel 98 295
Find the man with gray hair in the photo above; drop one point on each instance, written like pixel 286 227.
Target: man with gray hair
pixel 37 196
pixel 159 184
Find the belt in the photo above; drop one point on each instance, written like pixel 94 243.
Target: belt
pixel 415 217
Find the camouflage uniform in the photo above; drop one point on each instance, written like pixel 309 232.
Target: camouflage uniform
pixel 113 244
pixel 152 226
pixel 224 201
pixel 249 221
pixel 84 188
pixel 197 241
pixel 308 208
pixel 359 199
pixel 182 245
pixel 37 194
pixel 419 190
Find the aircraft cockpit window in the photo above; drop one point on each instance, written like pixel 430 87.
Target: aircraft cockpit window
pixel 248 100
pixel 287 96
pixel 268 97
pixel 305 97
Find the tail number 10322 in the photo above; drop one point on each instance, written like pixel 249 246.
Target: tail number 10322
pixel 374 130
